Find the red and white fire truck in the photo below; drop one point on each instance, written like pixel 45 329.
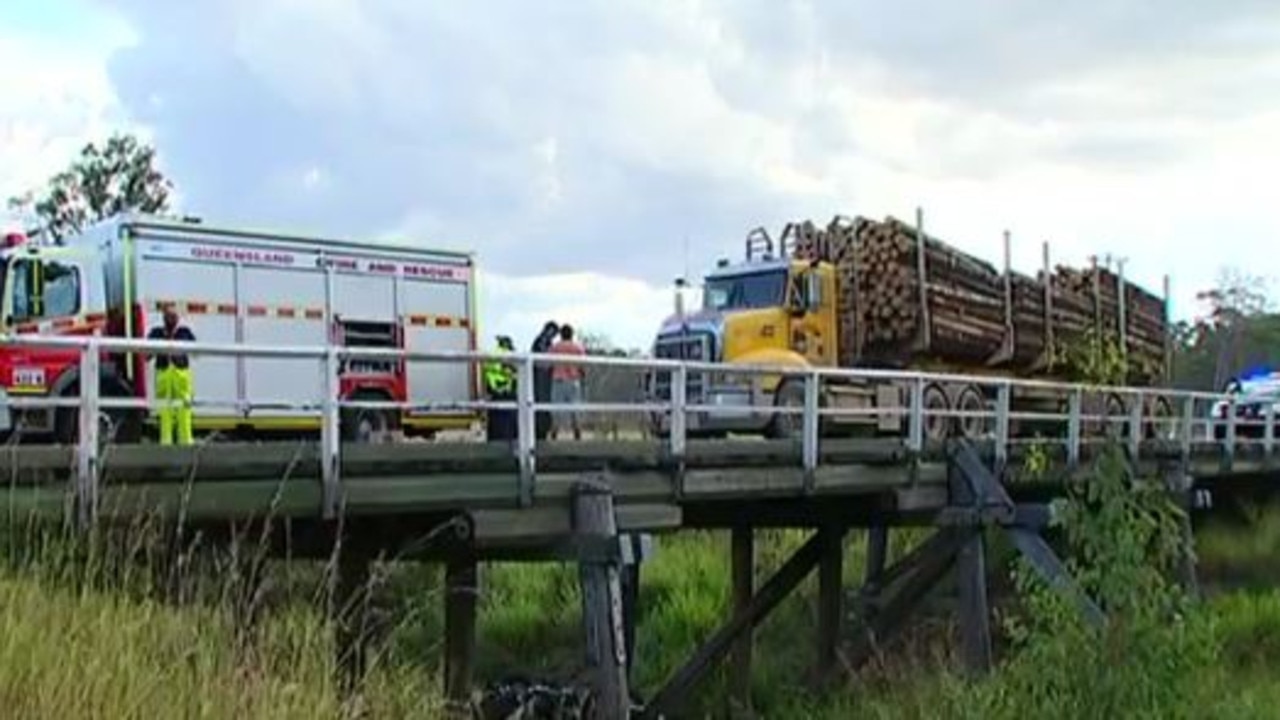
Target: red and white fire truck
pixel 239 286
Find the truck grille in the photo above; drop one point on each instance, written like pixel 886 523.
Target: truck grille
pixel 683 347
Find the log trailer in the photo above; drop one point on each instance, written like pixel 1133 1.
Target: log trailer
pixel 237 286
pixel 860 293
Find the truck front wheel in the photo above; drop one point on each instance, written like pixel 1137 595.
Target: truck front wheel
pixel 787 425
pixel 367 425
pixel 121 426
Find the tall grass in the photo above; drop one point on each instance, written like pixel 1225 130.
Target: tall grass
pixel 70 648
pixel 107 627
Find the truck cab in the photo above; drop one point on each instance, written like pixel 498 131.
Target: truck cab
pixel 46 290
pixel 770 309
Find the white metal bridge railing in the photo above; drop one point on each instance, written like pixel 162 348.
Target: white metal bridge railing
pixel 1179 418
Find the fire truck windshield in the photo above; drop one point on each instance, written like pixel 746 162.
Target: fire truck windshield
pixel 747 291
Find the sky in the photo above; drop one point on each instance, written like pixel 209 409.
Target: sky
pixel 590 151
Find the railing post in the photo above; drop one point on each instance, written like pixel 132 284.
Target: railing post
pixel 1230 449
pixel 1135 424
pixel 1269 432
pixel 1187 431
pixel 812 426
pixel 1075 403
pixel 915 416
pixel 330 434
pixel 679 411
pixel 87 469
pixel 1003 403
pixel 526 429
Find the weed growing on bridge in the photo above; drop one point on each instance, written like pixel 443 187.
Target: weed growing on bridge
pixel 1125 544
pixel 1125 539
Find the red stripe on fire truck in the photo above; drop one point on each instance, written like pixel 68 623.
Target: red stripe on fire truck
pixel 290 312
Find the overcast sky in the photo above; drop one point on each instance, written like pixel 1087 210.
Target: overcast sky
pixel 589 150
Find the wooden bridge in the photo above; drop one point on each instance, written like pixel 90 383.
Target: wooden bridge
pixel 463 503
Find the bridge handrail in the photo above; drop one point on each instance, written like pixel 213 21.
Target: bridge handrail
pixel 155 347
pixel 1140 415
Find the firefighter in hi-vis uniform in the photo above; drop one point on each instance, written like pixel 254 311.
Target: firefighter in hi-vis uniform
pixel 500 385
pixel 174 387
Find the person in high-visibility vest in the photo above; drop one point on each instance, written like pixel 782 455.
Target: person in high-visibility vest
pixel 500 385
pixel 174 386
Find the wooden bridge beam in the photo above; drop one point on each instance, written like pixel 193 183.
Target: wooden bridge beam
pixel 673 693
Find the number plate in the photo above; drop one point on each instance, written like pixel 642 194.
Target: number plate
pixel 28 377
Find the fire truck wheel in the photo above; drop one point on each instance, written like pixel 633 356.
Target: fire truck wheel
pixel 366 425
pixel 117 426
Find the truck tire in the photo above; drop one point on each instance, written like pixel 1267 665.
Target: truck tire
pixel 1116 413
pixel 971 400
pixel 937 424
pixel 1161 422
pixel 787 426
pixel 122 426
pixel 363 425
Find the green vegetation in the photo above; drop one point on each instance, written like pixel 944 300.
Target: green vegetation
pixel 83 636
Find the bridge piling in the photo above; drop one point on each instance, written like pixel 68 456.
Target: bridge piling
pixel 971 573
pixel 349 604
pixel 596 530
pixel 461 593
pixel 830 604
pixel 1182 487
pixel 743 571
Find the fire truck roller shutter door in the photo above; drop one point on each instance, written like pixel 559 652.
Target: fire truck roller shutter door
pixel 283 295
pixel 439 322
pixel 163 279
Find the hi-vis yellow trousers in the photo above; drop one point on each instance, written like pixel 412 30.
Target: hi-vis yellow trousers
pixel 174 390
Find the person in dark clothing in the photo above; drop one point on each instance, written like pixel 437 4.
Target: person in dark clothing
pixel 174 384
pixel 542 377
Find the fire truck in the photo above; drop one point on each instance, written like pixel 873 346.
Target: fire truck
pixel 245 287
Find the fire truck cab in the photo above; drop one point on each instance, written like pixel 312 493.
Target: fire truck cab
pixel 238 286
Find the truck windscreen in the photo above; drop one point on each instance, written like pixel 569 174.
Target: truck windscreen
pixel 747 291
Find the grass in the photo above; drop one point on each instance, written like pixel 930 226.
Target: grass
pixel 88 640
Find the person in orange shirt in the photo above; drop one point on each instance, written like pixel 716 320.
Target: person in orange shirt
pixel 566 382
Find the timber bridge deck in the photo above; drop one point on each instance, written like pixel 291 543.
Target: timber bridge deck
pixel 528 500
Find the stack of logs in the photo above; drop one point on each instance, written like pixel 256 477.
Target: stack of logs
pixel 968 315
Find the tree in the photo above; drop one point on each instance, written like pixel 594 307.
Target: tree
pixel 598 344
pixel 1235 331
pixel 121 176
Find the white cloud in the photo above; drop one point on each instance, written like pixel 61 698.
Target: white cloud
pixel 53 100
pixel 577 146
pixel 626 311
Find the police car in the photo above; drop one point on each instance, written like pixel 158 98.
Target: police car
pixel 1252 394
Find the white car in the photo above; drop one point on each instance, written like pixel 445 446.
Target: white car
pixel 1251 394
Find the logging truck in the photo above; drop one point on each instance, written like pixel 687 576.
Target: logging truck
pixel 860 293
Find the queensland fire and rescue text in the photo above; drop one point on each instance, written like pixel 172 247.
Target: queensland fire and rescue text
pixel 240 286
